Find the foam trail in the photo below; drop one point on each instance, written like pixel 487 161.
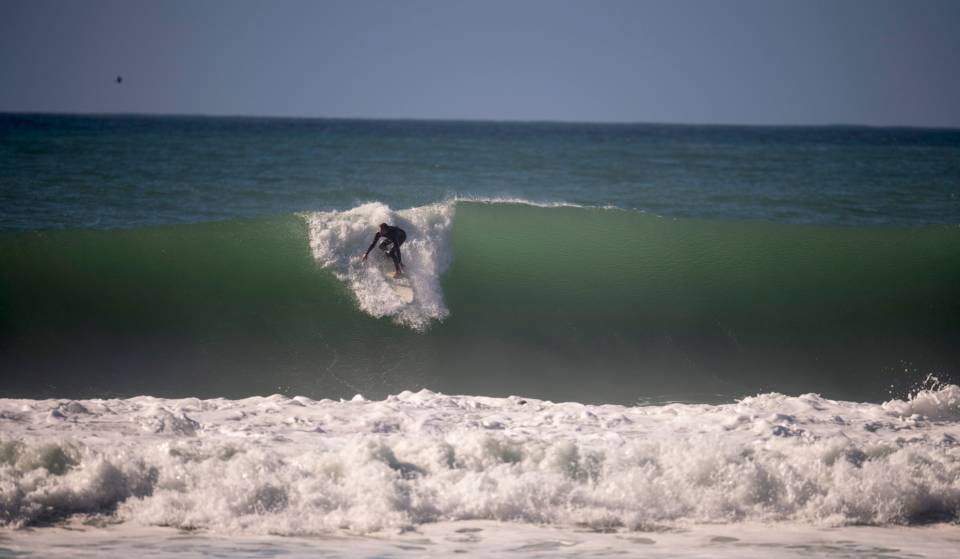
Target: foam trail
pixel 338 239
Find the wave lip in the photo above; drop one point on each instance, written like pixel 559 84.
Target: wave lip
pixel 533 203
pixel 296 466
pixel 338 239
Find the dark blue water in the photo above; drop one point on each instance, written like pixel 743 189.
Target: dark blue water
pixel 129 171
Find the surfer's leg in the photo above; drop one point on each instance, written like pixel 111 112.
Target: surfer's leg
pixel 395 255
pixel 400 241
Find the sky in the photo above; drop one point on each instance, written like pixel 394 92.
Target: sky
pixel 873 62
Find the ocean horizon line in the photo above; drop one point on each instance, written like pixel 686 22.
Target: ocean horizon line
pixel 507 121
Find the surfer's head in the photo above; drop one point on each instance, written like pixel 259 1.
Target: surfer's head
pixel 383 228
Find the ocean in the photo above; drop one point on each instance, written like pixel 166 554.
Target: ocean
pixel 624 338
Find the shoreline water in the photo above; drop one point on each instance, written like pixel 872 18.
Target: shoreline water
pixel 475 538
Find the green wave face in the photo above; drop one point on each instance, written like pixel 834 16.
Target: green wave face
pixel 562 303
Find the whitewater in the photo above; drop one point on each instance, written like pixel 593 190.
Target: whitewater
pixel 297 467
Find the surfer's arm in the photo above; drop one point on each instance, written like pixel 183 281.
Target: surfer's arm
pixel 373 244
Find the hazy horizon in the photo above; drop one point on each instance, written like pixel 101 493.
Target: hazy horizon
pixel 473 120
pixel 855 63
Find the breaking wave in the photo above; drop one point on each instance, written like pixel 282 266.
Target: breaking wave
pixel 283 465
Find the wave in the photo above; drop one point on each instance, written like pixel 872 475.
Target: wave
pixel 296 466
pixel 559 302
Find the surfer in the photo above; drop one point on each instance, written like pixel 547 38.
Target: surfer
pixel 392 237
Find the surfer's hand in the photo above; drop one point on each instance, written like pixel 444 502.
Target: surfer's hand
pixel 364 258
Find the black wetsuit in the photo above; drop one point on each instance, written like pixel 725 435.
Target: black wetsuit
pixel 392 240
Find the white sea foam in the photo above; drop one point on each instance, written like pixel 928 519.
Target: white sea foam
pixel 296 466
pixel 338 240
